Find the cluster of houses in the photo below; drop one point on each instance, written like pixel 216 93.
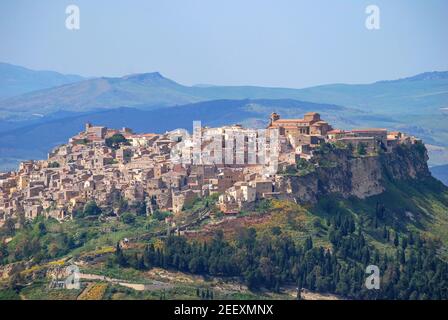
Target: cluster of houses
pixel 142 169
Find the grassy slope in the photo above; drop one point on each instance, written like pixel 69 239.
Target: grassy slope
pixel 409 206
pixel 420 206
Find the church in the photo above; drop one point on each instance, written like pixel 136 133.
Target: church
pixel 309 130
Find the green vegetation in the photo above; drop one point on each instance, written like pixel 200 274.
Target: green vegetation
pixel 324 248
pixel 8 294
pixel 116 141
pixel 361 149
pixel 83 141
pixel 53 164
pixel 202 203
pixel 43 239
pixel 128 218
pixel 161 215
pixel 392 230
pixel 39 290
pixel 301 168
pixel 263 206
pixel 412 272
pixel 91 209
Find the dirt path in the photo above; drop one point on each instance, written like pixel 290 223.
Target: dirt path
pixel 156 285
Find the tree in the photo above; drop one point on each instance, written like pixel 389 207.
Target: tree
pixel 252 280
pixel 271 261
pixel 9 227
pixel 41 228
pixel 116 140
pixel 196 265
pixel 299 290
pixel 3 253
pixel 160 215
pixel 276 231
pixel 396 240
pixel 308 244
pixel 380 211
pixel 91 209
pixel 120 258
pixel 386 234
pixel 247 237
pixel 139 208
pixel 121 205
pixel 361 149
pixel 54 164
pixel 404 243
pixel 15 280
pixel 128 218
pixel 141 263
pixel 350 148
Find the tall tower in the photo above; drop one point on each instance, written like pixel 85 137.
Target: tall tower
pixel 274 117
pixel 312 117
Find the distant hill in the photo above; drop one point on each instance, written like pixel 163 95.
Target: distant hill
pixel 421 94
pixel 441 173
pixel 434 75
pixel 15 80
pixel 142 90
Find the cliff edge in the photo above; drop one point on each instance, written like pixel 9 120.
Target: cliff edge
pixel 338 170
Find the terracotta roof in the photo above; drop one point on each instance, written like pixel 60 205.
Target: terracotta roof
pixel 357 138
pixel 336 131
pixel 370 130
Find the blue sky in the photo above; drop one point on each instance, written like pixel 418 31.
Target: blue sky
pixel 287 43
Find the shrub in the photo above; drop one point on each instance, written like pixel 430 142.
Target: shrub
pixel 54 164
pixel 116 140
pixel 91 209
pixel 361 149
pixel 160 215
pixel 128 218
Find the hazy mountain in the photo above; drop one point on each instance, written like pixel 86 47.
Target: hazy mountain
pixel 434 75
pixel 421 94
pixel 145 90
pixel 441 173
pixel 15 80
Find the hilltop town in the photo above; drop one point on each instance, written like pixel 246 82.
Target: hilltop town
pixel 102 164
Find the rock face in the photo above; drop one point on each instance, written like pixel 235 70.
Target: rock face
pixel 338 172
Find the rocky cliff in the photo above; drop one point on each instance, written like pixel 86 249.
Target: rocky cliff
pixel 338 171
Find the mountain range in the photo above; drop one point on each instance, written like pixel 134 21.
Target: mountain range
pixel 420 94
pixel 15 80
